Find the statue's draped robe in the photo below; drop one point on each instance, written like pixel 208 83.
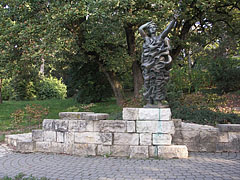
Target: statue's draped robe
pixel 156 63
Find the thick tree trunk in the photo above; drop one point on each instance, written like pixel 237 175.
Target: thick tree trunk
pixel 137 73
pixel 0 90
pixel 115 84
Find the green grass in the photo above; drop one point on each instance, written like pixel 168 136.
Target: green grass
pixel 54 106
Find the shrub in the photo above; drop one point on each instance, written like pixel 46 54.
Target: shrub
pixel 7 90
pixel 225 73
pixel 51 87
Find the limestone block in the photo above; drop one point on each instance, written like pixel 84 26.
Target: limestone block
pixel 191 136
pixel 234 136
pixel 173 151
pixel 192 146
pixel 49 124
pixel 177 138
pixel 61 125
pixel 25 147
pixel 228 147
pixel 229 127
pixel 110 126
pixel 37 135
pixel 207 147
pixel 50 136
pixel 139 152
pixel 60 137
pixel 153 151
pixel 162 139
pixel 130 113
pixel 131 126
pixel 177 123
pixel 145 139
pixel 72 115
pixel 126 139
pixel 120 151
pixel 43 146
pixel 69 138
pixel 95 116
pixel 208 136
pixel 196 127
pixel 93 138
pixel 103 150
pixel 223 137
pixel 155 127
pixel 154 114
pixel 57 147
pixel 85 149
pixel 68 148
pixel 80 125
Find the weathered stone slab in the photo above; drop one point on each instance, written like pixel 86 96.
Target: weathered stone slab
pixel 43 146
pixel 153 151
pixel 73 115
pixel 103 150
pixel 145 139
pixel 208 136
pixel 49 124
pixel 131 126
pixel 177 123
pixel 177 138
pixel 93 138
pixel 95 116
pixel 37 135
pixel 69 138
pixel 126 139
pixel 68 148
pixel 173 151
pixel 139 152
pixel 25 147
pixel 154 114
pixel 81 125
pixel 162 139
pixel 130 113
pixel 234 136
pixel 155 127
pixel 110 126
pixel 85 149
pixel 60 137
pixel 223 137
pixel 229 127
pixel 50 136
pixel 57 147
pixel 119 151
pixel 61 125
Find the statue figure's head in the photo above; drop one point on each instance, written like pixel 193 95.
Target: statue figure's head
pixel 152 28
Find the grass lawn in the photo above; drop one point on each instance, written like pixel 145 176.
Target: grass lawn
pixel 54 107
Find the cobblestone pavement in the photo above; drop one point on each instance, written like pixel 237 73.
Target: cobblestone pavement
pixel 202 166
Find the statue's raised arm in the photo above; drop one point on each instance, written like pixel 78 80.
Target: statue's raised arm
pixel 168 28
pixel 141 29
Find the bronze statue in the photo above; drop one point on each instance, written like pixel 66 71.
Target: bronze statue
pixel 156 63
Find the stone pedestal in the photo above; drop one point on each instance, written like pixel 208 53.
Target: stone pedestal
pixel 155 128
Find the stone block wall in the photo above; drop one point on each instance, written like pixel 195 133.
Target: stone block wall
pixel 142 133
pixel 203 138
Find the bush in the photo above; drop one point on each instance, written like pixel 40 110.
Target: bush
pixel 51 87
pixel 225 73
pixel 203 115
pixel 7 90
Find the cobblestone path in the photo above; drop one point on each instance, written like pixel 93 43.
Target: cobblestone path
pixel 202 166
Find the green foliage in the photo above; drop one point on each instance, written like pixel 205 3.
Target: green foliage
pixel 225 73
pixel 203 115
pixel 51 87
pixel 188 80
pixel 7 90
pixel 87 83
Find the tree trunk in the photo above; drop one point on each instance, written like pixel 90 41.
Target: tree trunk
pixel 0 90
pixel 137 73
pixel 115 84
